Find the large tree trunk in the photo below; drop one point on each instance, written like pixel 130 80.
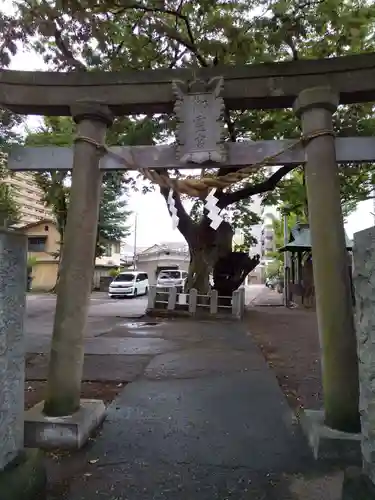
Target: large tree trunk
pixel 231 270
pixel 200 268
pixel 206 247
pixel 211 252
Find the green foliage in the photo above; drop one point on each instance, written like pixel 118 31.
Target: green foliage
pixel 278 235
pixel 138 34
pixel 240 216
pixel 356 181
pixel 278 227
pixel 274 269
pixel 31 262
pixel 290 195
pixel 112 213
pixel 59 131
pixel 9 210
pixel 54 185
pixel 114 272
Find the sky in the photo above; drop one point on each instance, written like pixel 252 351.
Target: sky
pixel 154 223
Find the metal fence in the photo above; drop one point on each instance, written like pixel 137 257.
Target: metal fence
pixel 171 299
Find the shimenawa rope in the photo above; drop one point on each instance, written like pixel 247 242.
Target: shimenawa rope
pixel 200 187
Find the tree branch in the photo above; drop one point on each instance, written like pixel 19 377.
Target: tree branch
pixel 262 187
pixel 189 44
pixel 66 51
pixel 290 43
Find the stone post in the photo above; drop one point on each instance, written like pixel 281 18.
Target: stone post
pixel 315 106
pixel 214 302
pixel 364 284
pixel 12 343
pixel 193 300
pixel 22 473
pixel 172 298
pixel 151 297
pixel 67 349
pixel 236 304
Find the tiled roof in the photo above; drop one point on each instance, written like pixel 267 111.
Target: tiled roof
pixel 300 240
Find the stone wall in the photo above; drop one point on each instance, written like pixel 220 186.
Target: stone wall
pixel 13 272
pixel 364 284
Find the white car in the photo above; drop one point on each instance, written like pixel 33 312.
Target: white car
pixel 172 277
pixel 129 284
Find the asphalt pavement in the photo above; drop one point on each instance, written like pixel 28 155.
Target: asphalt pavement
pixel 201 414
pixel 104 314
pixel 202 418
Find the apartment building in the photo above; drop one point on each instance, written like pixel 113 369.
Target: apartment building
pixel 267 239
pixel 264 234
pixel 29 198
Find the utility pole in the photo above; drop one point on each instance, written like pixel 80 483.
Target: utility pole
pixel 286 263
pixel 135 243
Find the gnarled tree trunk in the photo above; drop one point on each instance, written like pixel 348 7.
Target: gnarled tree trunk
pixel 211 253
pixel 200 268
pixel 206 247
pixel 231 270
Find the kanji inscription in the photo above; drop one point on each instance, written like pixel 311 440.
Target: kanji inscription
pixel 200 129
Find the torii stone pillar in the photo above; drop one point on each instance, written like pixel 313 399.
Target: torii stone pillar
pixel 75 284
pixel 315 106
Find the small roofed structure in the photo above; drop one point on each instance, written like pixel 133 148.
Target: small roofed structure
pixel 300 240
pixel 301 280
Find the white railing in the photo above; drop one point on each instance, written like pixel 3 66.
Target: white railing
pixel 170 299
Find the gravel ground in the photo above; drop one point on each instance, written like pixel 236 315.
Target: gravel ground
pixel 289 340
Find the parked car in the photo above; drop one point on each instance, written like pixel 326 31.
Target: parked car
pixel 271 282
pixel 172 277
pixel 129 284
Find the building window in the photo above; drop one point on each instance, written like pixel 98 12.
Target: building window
pixel 37 243
pixel 108 250
pixel 116 247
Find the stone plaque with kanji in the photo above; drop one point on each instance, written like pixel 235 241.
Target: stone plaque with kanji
pixel 199 110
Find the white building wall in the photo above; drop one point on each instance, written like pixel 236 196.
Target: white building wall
pixel 150 264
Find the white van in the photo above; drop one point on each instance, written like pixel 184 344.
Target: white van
pixel 129 284
pixel 172 277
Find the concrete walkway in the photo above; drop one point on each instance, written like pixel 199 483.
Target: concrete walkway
pixel 205 419
pixel 267 297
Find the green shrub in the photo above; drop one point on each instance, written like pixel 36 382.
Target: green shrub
pixel 114 272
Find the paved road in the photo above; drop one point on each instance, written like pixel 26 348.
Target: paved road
pixel 202 418
pixel 253 291
pixel 104 315
pixel 100 305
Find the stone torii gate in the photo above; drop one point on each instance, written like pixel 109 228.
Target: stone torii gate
pixel 315 89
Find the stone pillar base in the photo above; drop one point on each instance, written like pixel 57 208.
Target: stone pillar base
pixel 24 478
pixel 65 433
pixel 329 444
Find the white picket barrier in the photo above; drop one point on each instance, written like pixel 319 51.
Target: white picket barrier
pixel 171 299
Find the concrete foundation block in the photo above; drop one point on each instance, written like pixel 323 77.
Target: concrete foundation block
pixel 330 444
pixel 24 478
pixel 69 432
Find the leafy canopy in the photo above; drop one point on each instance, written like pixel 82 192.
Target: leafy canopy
pixel 86 35
pixel 9 209
pixel 113 215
